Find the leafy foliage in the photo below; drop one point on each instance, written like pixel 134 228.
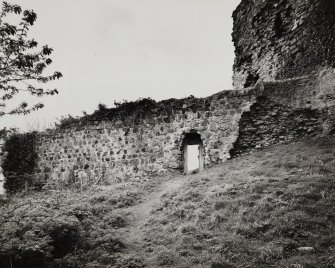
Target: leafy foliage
pixel 5 133
pixel 102 107
pixel 22 64
pixel 66 121
pixel 20 161
pixel 63 229
pixel 136 111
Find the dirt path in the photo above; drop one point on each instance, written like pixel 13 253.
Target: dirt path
pixel 134 233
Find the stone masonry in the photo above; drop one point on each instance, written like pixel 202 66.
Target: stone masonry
pixel 125 148
pixel 281 39
pixel 229 123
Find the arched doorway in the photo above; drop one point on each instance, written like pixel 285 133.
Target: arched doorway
pixel 193 153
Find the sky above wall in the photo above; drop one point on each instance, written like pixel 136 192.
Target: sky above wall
pixel 114 50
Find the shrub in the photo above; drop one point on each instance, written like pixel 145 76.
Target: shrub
pixel 64 235
pixel 58 229
pixel 20 161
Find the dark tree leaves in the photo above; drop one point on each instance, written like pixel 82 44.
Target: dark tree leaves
pixel 22 64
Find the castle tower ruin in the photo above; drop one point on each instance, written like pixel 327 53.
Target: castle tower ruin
pixel 282 39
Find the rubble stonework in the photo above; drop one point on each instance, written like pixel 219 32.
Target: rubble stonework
pixel 281 39
pixel 121 149
pixel 229 123
pixel 288 110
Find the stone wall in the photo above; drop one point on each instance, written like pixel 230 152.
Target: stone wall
pixel 230 123
pixel 122 148
pixel 282 39
pixel 287 110
pixel 138 140
pixel 269 123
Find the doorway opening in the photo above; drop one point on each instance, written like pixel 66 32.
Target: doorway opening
pixel 193 153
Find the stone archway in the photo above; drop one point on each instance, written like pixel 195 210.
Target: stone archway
pixel 193 152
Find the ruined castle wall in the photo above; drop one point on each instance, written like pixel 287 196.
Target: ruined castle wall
pixel 288 110
pixel 130 145
pixel 270 123
pixel 122 150
pixel 281 39
pixel 230 123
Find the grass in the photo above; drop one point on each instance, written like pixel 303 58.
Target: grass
pixel 255 211
pixel 271 208
pixel 64 228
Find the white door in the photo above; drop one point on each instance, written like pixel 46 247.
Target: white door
pixel 193 161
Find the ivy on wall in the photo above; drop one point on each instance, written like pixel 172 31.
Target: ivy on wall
pixel 137 110
pixel 19 162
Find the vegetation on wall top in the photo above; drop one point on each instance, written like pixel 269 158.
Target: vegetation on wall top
pixel 138 110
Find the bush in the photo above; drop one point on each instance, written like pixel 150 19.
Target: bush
pixel 19 162
pixel 58 229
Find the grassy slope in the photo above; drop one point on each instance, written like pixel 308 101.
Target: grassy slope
pixel 255 211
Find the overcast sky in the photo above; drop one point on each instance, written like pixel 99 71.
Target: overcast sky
pixel 128 49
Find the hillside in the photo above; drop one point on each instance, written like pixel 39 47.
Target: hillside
pixel 271 208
